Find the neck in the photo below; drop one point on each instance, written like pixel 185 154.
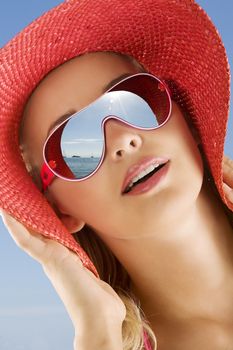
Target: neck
pixel 187 273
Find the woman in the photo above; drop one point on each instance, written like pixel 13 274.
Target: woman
pixel 162 246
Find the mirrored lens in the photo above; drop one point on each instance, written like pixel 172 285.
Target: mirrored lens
pixel 82 138
pixel 77 145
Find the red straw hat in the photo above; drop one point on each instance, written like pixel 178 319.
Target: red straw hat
pixel 173 39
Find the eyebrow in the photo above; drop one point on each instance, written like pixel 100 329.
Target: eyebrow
pixel 115 81
pixel 63 117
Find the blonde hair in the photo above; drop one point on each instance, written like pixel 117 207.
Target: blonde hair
pixel 112 272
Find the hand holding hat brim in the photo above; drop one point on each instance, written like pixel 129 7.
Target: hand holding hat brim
pixel 82 293
pixel 228 177
pixel 33 243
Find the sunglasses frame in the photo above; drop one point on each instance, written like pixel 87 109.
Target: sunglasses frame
pixel 48 173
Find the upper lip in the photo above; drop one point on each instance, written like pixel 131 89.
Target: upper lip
pixel 135 169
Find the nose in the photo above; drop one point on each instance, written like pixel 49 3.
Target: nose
pixel 121 139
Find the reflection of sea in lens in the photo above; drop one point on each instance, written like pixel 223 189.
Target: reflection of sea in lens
pixel 82 166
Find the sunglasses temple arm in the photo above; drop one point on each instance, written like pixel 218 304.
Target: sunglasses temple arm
pixel 47 176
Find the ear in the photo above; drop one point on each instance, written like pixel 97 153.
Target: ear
pixel 71 223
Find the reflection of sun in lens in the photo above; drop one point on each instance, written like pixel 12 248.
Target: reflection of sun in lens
pixel 111 102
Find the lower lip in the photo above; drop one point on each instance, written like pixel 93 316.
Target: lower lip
pixel 151 182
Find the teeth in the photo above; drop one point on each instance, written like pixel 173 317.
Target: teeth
pixel 142 174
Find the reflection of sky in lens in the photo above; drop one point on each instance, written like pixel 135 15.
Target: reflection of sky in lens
pixel 82 136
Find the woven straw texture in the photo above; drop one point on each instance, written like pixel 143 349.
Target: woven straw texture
pixel 173 39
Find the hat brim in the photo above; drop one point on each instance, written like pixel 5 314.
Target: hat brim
pixel 174 40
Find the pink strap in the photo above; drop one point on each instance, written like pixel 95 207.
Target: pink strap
pixel 147 344
pixel 46 174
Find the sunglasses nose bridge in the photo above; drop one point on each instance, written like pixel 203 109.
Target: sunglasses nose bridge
pixel 120 138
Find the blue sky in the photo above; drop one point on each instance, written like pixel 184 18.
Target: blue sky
pixel 31 314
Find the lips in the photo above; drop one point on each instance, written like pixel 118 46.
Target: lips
pixel 136 169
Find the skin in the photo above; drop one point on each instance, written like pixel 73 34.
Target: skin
pixel 178 251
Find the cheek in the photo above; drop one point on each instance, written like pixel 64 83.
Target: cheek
pixel 182 145
pixel 190 156
pixel 188 175
pixel 187 169
pixel 83 200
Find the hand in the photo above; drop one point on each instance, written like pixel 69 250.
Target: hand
pixel 228 177
pixel 88 300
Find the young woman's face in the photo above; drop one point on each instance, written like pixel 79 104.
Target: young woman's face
pixel 98 201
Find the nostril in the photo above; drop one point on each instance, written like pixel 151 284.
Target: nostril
pixel 119 153
pixel 133 143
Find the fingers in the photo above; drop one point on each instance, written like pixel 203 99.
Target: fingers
pixel 228 177
pixel 228 192
pixel 46 251
pixel 32 243
pixel 228 171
